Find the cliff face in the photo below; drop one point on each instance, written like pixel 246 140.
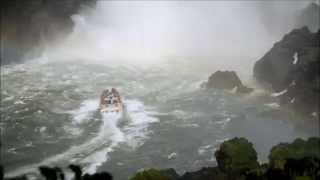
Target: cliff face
pixel 292 66
pixel 276 64
pixel 25 25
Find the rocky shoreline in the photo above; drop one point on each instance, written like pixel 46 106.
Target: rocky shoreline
pixel 290 70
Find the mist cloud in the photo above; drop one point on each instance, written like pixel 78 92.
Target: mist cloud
pixel 142 31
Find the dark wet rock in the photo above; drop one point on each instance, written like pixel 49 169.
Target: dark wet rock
pixel 224 80
pixel 292 65
pixel 97 176
pixel 1 170
pixel 27 25
pixel 303 91
pixel 227 80
pixel 48 173
pixel 275 65
pixel 76 170
pixel 244 90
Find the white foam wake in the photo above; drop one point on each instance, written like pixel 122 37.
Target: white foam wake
pixel 140 117
pixel 86 109
pixel 109 135
pixel 134 133
pixel 109 130
pixel 94 152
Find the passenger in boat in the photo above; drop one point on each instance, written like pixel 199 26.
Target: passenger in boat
pixel 117 95
pixel 114 91
pixel 105 97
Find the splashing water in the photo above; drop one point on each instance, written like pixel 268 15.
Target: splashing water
pixel 94 152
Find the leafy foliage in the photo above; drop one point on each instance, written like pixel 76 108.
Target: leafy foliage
pixel 236 155
pixel 297 150
pixel 237 160
pixel 150 174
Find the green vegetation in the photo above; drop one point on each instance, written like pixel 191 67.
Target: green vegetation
pixel 297 150
pixel 150 174
pixel 237 160
pixel 236 155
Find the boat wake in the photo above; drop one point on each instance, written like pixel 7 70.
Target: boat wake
pixel 94 152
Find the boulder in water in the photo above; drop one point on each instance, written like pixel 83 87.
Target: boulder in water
pixel 227 80
pixel 27 26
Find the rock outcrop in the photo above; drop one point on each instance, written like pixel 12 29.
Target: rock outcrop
pixel 26 25
pixel 227 80
pixel 275 65
pixel 292 67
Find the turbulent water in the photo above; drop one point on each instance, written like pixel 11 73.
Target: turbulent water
pixel 49 116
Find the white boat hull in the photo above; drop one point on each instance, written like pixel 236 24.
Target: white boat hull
pixel 109 109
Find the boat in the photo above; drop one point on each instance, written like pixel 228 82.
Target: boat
pixel 110 101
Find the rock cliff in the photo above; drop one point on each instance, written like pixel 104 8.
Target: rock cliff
pixel 26 25
pixel 291 66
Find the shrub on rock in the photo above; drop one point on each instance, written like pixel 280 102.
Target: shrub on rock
pixel 150 174
pixel 236 155
pixel 299 149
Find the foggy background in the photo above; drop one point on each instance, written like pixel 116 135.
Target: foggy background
pixel 143 32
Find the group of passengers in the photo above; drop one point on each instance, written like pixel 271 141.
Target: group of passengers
pixel 110 97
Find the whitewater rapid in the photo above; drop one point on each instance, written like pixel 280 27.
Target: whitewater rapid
pixel 50 117
pixel 92 153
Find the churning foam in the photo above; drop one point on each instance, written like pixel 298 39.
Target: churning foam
pixel 94 152
pixel 86 109
pixel 136 131
pixel 109 130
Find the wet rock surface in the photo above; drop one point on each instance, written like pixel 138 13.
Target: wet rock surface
pixel 227 80
pixel 292 66
pixel 27 25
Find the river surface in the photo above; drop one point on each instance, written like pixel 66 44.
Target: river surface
pixel 49 116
